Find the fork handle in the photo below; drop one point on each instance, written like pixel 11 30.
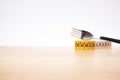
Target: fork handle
pixel 110 39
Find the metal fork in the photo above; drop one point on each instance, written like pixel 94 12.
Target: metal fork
pixel 85 35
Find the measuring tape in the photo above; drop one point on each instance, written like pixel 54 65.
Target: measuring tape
pixel 91 44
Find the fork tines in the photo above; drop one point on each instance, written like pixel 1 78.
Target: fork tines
pixel 76 33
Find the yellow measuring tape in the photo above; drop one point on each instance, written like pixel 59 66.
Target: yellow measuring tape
pixel 91 44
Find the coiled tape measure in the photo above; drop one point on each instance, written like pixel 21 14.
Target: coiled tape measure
pixel 92 44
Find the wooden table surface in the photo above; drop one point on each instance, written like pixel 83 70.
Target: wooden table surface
pixel 59 63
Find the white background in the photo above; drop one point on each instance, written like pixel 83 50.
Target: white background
pixel 49 22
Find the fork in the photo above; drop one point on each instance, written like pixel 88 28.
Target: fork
pixel 85 35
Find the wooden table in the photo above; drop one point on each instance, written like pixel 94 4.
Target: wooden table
pixel 59 63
